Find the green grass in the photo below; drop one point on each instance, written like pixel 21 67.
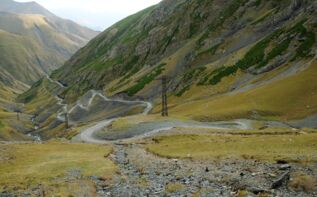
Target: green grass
pixel 182 91
pixel 309 40
pixel 306 46
pixel 276 51
pixel 256 54
pixel 1 125
pixel 94 51
pixel 98 66
pixel 31 94
pixel 297 148
pixel 145 80
pixel 222 72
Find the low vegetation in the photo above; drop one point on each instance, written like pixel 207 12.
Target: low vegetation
pixel 284 99
pixel 227 12
pixel 258 57
pixel 146 80
pixel 264 147
pixel 174 187
pixel 57 168
pixel 302 182
pixel 1 125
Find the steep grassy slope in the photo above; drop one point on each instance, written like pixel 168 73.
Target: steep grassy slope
pixel 34 42
pixel 31 42
pixel 74 31
pixel 217 52
pixel 293 97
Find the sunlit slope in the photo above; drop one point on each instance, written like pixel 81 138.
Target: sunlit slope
pixel 30 47
pixel 33 42
pixel 293 97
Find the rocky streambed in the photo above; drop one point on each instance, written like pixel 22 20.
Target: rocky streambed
pixel 144 174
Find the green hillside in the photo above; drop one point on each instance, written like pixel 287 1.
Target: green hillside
pixel 211 50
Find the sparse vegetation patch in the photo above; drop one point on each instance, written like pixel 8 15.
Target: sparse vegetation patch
pixel 266 147
pixel 146 80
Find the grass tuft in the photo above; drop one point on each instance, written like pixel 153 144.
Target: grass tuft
pixel 302 182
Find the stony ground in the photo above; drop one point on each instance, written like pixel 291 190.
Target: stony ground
pixel 144 174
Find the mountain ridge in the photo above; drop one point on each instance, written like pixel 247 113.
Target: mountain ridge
pixel 30 24
pixel 33 42
pixel 210 50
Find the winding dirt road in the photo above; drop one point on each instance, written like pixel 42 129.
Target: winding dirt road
pixel 88 135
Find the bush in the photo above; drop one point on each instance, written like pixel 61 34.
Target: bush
pixel 180 93
pixel 1 124
pixel 304 49
pixel 302 182
pixel 221 73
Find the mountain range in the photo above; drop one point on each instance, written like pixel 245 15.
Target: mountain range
pixel 223 59
pixel 33 42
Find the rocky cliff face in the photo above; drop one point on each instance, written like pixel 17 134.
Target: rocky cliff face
pixel 202 32
pixel 206 48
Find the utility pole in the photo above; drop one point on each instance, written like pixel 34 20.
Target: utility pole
pixel 18 115
pixel 66 120
pixel 164 96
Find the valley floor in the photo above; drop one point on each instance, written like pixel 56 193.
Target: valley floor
pixel 180 162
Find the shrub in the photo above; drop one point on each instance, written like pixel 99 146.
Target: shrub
pixel 302 182
pixel 1 124
pixel 180 93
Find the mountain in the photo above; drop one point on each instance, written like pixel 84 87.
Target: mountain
pixel 34 41
pixel 224 59
pixel 69 27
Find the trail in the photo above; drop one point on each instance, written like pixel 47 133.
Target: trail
pixel 95 93
pixel 88 135
pixel 56 82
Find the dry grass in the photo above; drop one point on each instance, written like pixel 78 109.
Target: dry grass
pixel 174 187
pixel 7 133
pixel 24 166
pixel 302 182
pixel 43 98
pixel 130 121
pixel 283 99
pixel 296 148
